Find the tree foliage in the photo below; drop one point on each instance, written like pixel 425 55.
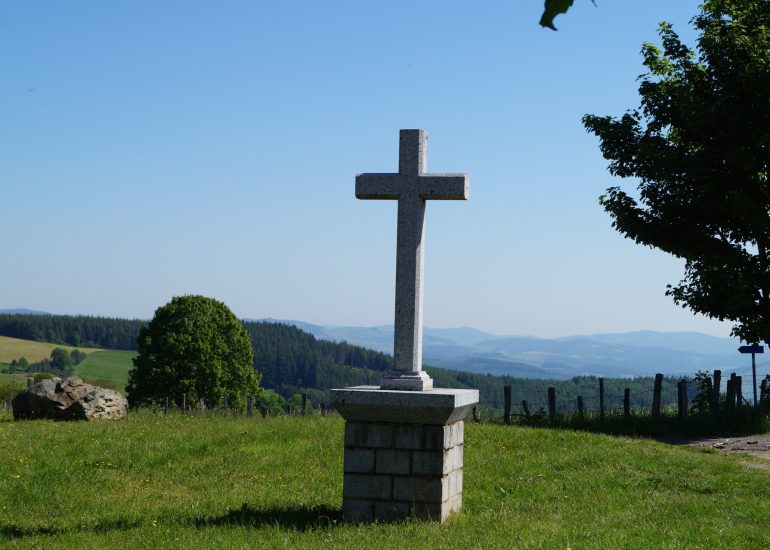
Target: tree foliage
pixel 61 361
pixel 699 147
pixel 553 8
pixel 196 346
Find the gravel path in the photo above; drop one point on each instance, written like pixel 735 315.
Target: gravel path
pixel 756 445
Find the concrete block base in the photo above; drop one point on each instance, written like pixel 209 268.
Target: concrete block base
pixel 399 470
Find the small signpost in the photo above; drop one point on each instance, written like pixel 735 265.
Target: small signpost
pixel 753 350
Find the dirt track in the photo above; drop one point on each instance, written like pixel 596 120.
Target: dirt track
pixel 758 446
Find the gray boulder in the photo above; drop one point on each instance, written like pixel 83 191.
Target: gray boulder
pixel 68 399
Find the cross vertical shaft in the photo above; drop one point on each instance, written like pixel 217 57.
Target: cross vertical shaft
pixel 407 344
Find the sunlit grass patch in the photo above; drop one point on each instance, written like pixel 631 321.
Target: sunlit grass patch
pixel 184 480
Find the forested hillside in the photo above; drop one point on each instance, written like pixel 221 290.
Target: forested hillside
pixel 77 331
pixel 292 360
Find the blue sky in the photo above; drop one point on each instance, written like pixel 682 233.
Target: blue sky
pixel 155 149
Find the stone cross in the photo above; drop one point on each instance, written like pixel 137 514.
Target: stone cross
pixel 411 187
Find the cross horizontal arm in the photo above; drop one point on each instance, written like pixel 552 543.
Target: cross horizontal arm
pixel 377 186
pixel 445 186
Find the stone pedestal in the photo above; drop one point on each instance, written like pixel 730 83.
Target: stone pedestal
pixel 403 452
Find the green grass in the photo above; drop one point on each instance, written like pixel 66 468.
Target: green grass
pixel 14 348
pixel 6 378
pixel 107 365
pixel 192 482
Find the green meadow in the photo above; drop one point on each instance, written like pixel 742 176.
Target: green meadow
pixel 98 366
pixel 107 365
pixel 221 482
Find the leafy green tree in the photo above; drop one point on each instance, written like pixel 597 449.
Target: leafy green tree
pixel 295 402
pixel 196 346
pixel 77 356
pixel 270 402
pixel 699 148
pixel 61 361
pixel 23 364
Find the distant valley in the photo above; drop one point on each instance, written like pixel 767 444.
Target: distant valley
pixel 641 353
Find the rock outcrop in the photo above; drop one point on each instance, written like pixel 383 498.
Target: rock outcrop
pixel 68 399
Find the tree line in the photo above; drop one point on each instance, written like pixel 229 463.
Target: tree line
pixel 73 330
pixel 60 361
pixel 293 362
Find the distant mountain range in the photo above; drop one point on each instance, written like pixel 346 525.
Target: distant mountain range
pixel 641 353
pixel 22 311
pixel 628 354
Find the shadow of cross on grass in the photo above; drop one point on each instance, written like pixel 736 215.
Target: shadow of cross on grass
pixel 300 518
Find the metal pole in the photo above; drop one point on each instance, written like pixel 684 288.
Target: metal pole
pixel 754 376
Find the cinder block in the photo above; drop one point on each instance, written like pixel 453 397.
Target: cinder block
pixel 421 489
pixel 454 434
pixel 429 438
pixel 359 461
pixel 363 434
pixel 391 461
pixel 437 511
pixel 437 462
pixel 431 463
pixel 415 436
pixel 357 510
pixel 455 483
pixel 391 511
pixel 367 486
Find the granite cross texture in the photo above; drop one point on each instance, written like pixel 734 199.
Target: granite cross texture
pixel 411 186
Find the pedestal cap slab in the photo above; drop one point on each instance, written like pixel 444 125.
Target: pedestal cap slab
pixel 439 406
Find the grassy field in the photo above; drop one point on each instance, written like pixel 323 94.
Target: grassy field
pixel 14 348
pixel 98 365
pixel 187 481
pixel 107 365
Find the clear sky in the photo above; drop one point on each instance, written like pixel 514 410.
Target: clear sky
pixel 152 149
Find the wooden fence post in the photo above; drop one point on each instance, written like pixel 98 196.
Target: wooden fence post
pixel 304 404
pixel 739 391
pixel 525 406
pixel 184 402
pixel 627 403
pixel 507 404
pixel 601 399
pixel 716 390
pixel 580 407
pixel 656 389
pixel 322 408
pixel 551 404
pixel 30 381
pixel 730 394
pixel 249 405
pixel 225 404
pixel 165 406
pixel 476 414
pixel 682 399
